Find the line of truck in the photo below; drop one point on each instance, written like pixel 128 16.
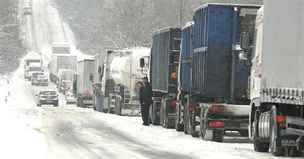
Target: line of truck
pixel 234 68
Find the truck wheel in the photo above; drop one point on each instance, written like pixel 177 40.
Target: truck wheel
pixel 153 115
pixel 192 125
pixel 203 129
pixel 178 125
pixel 291 152
pixel 161 116
pixel 166 123
pixel 259 146
pixel 165 120
pixel 274 136
pixel 186 123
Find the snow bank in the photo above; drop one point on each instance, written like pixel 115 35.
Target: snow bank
pixel 19 121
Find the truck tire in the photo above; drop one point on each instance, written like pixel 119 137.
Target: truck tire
pixel 178 125
pixel 274 138
pixel 192 124
pixel 186 122
pixel 161 116
pixel 77 103
pixel 203 129
pixel 259 146
pixel 153 114
pixel 164 116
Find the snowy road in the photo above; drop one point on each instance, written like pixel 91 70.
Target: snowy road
pixel 68 132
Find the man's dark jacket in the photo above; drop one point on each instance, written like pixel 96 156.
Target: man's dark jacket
pixel 145 94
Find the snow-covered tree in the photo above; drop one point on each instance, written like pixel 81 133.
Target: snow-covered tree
pixel 10 46
pixel 102 24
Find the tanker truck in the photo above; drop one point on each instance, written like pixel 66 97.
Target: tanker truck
pixel 122 80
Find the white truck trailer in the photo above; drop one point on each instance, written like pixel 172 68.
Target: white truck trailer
pixel 277 79
pixel 61 61
pixel 32 63
pixel 85 80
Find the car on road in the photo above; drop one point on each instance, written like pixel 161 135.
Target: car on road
pixel 70 98
pixel 47 97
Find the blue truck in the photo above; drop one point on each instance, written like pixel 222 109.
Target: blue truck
pixel 215 99
pixel 163 74
pixel 184 78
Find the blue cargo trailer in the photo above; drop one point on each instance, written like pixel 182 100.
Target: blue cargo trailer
pixel 185 74
pixel 185 58
pixel 217 39
pixel 219 98
pixel 164 67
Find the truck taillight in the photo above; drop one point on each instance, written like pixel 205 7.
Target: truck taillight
pixel 217 109
pixel 281 120
pixel 216 124
pixel 173 104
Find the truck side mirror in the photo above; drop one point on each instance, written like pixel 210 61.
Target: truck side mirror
pixel 142 63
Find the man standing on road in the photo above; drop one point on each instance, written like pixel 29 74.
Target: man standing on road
pixel 145 98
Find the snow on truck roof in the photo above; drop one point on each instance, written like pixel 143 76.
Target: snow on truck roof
pixel 165 29
pixel 225 4
pixel 188 24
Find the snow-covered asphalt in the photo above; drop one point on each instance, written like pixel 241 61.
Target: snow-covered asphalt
pixel 69 132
